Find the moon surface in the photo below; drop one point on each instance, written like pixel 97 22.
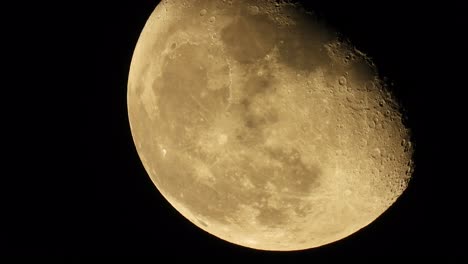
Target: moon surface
pixel 262 126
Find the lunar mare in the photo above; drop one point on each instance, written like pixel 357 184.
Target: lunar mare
pixel 261 126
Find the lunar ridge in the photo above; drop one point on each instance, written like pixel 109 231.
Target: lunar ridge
pixel 261 126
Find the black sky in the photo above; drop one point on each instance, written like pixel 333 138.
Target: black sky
pixel 81 188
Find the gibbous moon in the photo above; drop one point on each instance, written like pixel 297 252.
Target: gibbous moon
pixel 261 126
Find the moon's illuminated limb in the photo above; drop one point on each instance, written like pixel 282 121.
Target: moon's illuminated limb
pixel 258 125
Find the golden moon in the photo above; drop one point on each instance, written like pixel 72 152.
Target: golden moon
pixel 263 127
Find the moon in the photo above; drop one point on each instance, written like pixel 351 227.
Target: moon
pixel 262 125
